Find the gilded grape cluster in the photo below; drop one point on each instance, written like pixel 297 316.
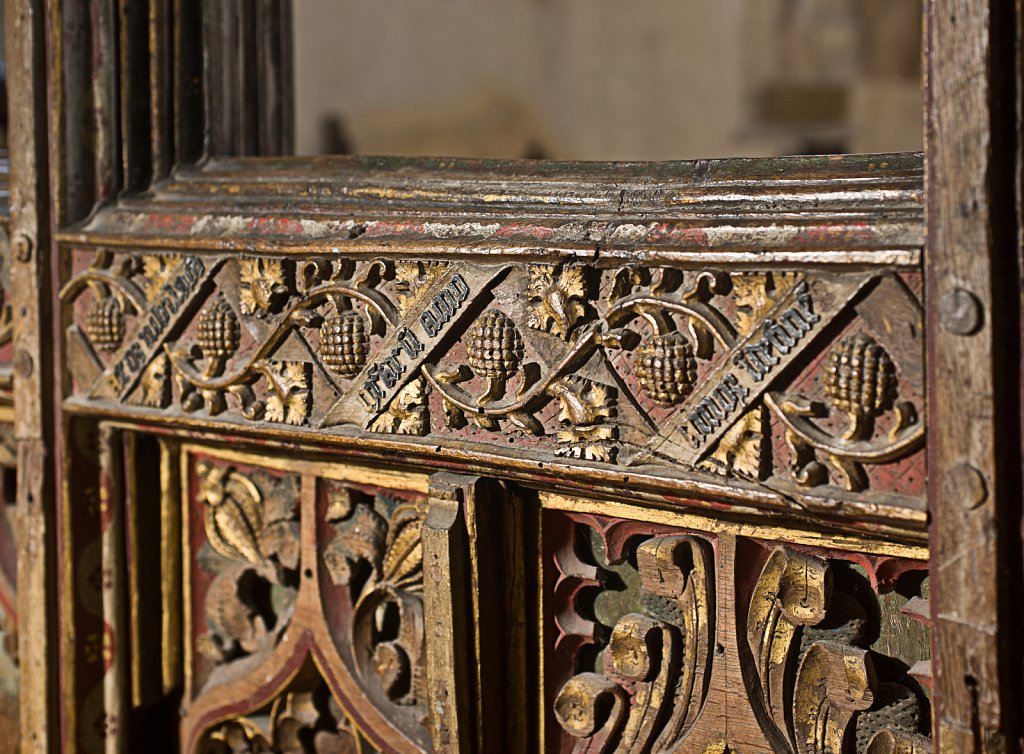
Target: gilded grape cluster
pixel 665 367
pixel 494 347
pixel 344 344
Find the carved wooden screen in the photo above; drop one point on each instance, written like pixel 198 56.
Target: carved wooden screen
pixel 375 454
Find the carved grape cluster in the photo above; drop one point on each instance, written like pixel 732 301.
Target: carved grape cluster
pixel 495 347
pixel 860 377
pixel 105 323
pixel 218 331
pixel 666 368
pixel 344 345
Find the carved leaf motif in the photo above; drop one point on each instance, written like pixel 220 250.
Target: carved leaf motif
pixel 833 682
pixel 412 278
pixel 408 413
pixel 289 400
pixel 403 560
pixel 658 660
pixel 386 631
pixel 159 270
pixel 557 293
pixel 305 721
pixel 155 386
pixel 360 538
pixel 644 651
pixel 741 449
pixel 755 293
pixel 585 408
pixel 233 617
pixel 262 285
pixel 675 569
pixel 591 707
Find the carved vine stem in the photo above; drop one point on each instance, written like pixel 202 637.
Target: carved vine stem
pixel 597 334
pixel 131 291
pixel 314 297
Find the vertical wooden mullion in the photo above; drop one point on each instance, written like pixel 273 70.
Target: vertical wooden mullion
pixel 25 27
pixel 106 104
pixel 189 106
pixel 112 539
pixel 171 565
pixel 274 76
pixel 445 614
pixel 135 58
pixel 973 294
pixel 135 552
pixel 476 612
pixel 160 100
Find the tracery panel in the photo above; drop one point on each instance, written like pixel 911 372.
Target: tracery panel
pixel 304 596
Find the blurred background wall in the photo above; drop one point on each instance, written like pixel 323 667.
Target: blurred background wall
pixel 607 79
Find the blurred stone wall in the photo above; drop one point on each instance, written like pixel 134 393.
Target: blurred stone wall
pixel 607 79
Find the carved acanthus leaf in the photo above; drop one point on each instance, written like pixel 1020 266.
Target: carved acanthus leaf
pixel 815 673
pixel 658 660
pixel 756 293
pixel 585 411
pixel 254 532
pixel 408 413
pixel 290 398
pixel 159 270
pixel 301 721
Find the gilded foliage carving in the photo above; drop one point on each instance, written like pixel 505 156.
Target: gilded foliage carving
pixel 586 411
pixel 303 719
pixel 819 690
pixel 252 530
pixel 262 285
pixel 813 659
pixel 558 295
pixel 657 662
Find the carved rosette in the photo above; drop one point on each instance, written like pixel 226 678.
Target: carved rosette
pixel 657 663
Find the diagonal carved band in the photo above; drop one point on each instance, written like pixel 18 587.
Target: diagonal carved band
pixel 411 342
pixel 748 370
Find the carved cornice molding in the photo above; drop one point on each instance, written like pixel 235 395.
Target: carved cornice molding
pixel 816 210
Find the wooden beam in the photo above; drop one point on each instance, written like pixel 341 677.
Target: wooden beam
pixel 973 290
